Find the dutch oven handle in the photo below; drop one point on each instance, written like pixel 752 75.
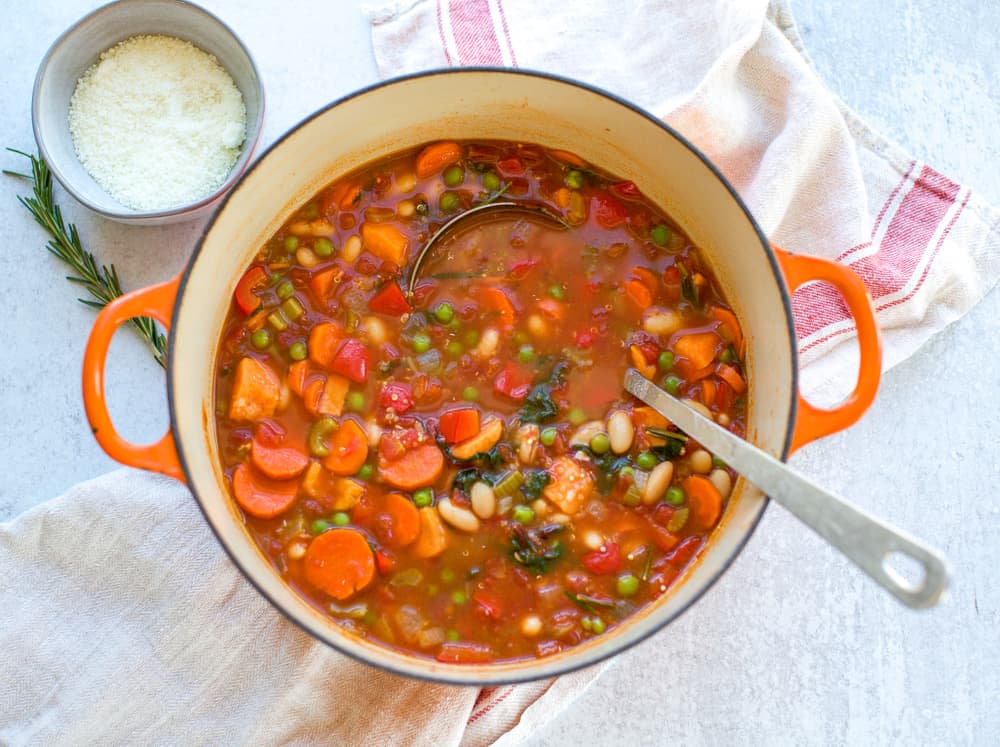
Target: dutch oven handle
pixel 156 301
pixel 815 422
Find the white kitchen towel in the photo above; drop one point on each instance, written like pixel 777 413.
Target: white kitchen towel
pixel 121 620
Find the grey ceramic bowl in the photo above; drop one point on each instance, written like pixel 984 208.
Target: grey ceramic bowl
pixel 79 47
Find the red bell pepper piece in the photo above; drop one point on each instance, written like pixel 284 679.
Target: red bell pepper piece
pixel 681 556
pixel 390 300
pixel 488 603
pixel 608 212
pixel 627 190
pixel 384 561
pixel 351 360
pixel 244 294
pixel 604 561
pixel 396 395
pixel 512 382
pixel 458 425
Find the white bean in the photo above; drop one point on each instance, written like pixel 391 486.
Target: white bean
pixel 406 181
pixel 592 540
pixel 286 397
pixel 722 419
pixel 658 482
pixel 460 518
pixel 540 507
pixel 560 518
pixel 538 327
pixel 483 499
pixel 582 435
pixel 296 551
pixel 488 343
pixel 351 248
pixel 702 410
pixel 306 257
pixel 375 327
pixel 722 481
pixel 700 462
pixel 659 321
pixel 405 208
pixel 527 437
pixel 531 626
pixel 620 432
pixel 374 433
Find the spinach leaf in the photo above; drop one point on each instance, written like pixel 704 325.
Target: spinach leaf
pixel 534 483
pixel 533 549
pixel 539 407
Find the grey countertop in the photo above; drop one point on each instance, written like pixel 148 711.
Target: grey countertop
pixel 793 645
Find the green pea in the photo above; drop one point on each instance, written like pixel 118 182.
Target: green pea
pixel 573 179
pixel 286 289
pixel 672 384
pixel 448 202
pixel 423 497
pixel 627 585
pixel 298 351
pixel 444 312
pixel 660 235
pixel 323 247
pixel 458 597
pixel 587 624
pixel 421 343
pixel 366 472
pixel 341 519
pixel 316 440
pixel 665 361
pixel 526 354
pixel 548 436
pixel 675 495
pixel 646 460
pixel 600 443
pixel 454 348
pixel 626 471
pixel 356 401
pixel 577 416
pixel 491 182
pixel 470 338
pixel 447 575
pixel 727 355
pixel 454 175
pixel 261 339
pixel 319 526
pixel 452 635
pixel 558 292
pixel 470 394
pixel 291 243
pixel 523 514
pixel 597 626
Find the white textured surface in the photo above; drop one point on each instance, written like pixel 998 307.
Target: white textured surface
pixel 793 646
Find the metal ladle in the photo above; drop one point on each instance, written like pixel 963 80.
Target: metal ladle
pixel 866 540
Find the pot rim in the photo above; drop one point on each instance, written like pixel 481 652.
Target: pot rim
pixel 572 664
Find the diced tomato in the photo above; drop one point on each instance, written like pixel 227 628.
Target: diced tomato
pixel 390 300
pixel 605 560
pixel 512 382
pixel 520 269
pixel 608 212
pixel 510 166
pixel 488 603
pixel 391 447
pixel 458 425
pixel 583 338
pixel 244 294
pixel 384 561
pixel 352 361
pixel 681 556
pixel 396 395
pixel 626 189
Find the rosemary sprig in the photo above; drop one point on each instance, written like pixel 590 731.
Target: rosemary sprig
pixel 102 283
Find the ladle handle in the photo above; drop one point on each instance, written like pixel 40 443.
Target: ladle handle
pixel 864 539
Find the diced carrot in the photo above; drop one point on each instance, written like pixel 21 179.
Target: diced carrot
pixel 644 367
pixel 483 441
pixel 261 496
pixel 385 241
pixel 464 652
pixel 729 327
pixel 432 540
pixel 284 463
pixel 300 374
pixel 492 299
pixel 322 282
pixel 647 277
pixel 704 501
pixel 416 468
pixel 323 341
pixel 459 425
pixel 325 396
pixel 646 417
pixel 699 348
pixel 348 448
pixel 436 157
pixel 731 376
pixel 256 391
pixel 339 562
pixel 566 157
pixel 639 293
pixel 342 196
pixel 561 197
pixel 664 539
pixel 402 526
pixel 333 493
pixel 707 392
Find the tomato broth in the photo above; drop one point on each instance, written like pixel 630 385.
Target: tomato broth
pixel 458 473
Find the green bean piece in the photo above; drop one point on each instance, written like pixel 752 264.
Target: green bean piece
pixel 491 182
pixel 323 247
pixel 678 520
pixel 627 585
pixel 285 289
pixel 454 176
pixel 340 519
pixel 318 432
pixel 675 495
pixel 548 436
pixel 660 235
pixel 646 460
pixel 261 339
pixel 600 443
pixel 523 514
pixel 292 309
pixel 665 361
pixel 277 320
pixel 291 243
pixel 298 351
pixel 444 312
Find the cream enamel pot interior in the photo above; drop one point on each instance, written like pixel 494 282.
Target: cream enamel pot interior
pixel 756 278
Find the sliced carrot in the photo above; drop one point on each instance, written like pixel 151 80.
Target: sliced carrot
pixel 646 417
pixel 342 196
pixel 644 367
pixel 256 391
pixel 482 442
pixel 385 241
pixel 334 493
pixel 300 374
pixel 436 157
pixel 416 468
pixel 729 326
pixel 261 496
pixel 699 348
pixel 348 448
pixel 459 425
pixel 731 376
pixel 339 562
pixel 704 501
pixel 432 540
pixel 323 341
pixel 402 526
pixel 708 392
pixel 326 395
pixel 322 282
pixel 491 299
pixel 639 293
pixel 566 157
pixel 281 463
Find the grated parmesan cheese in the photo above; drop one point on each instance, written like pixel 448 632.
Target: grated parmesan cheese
pixel 157 122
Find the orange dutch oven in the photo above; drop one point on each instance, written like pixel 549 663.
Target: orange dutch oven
pixel 756 278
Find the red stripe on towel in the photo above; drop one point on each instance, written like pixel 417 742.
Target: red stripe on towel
pixel 475 37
